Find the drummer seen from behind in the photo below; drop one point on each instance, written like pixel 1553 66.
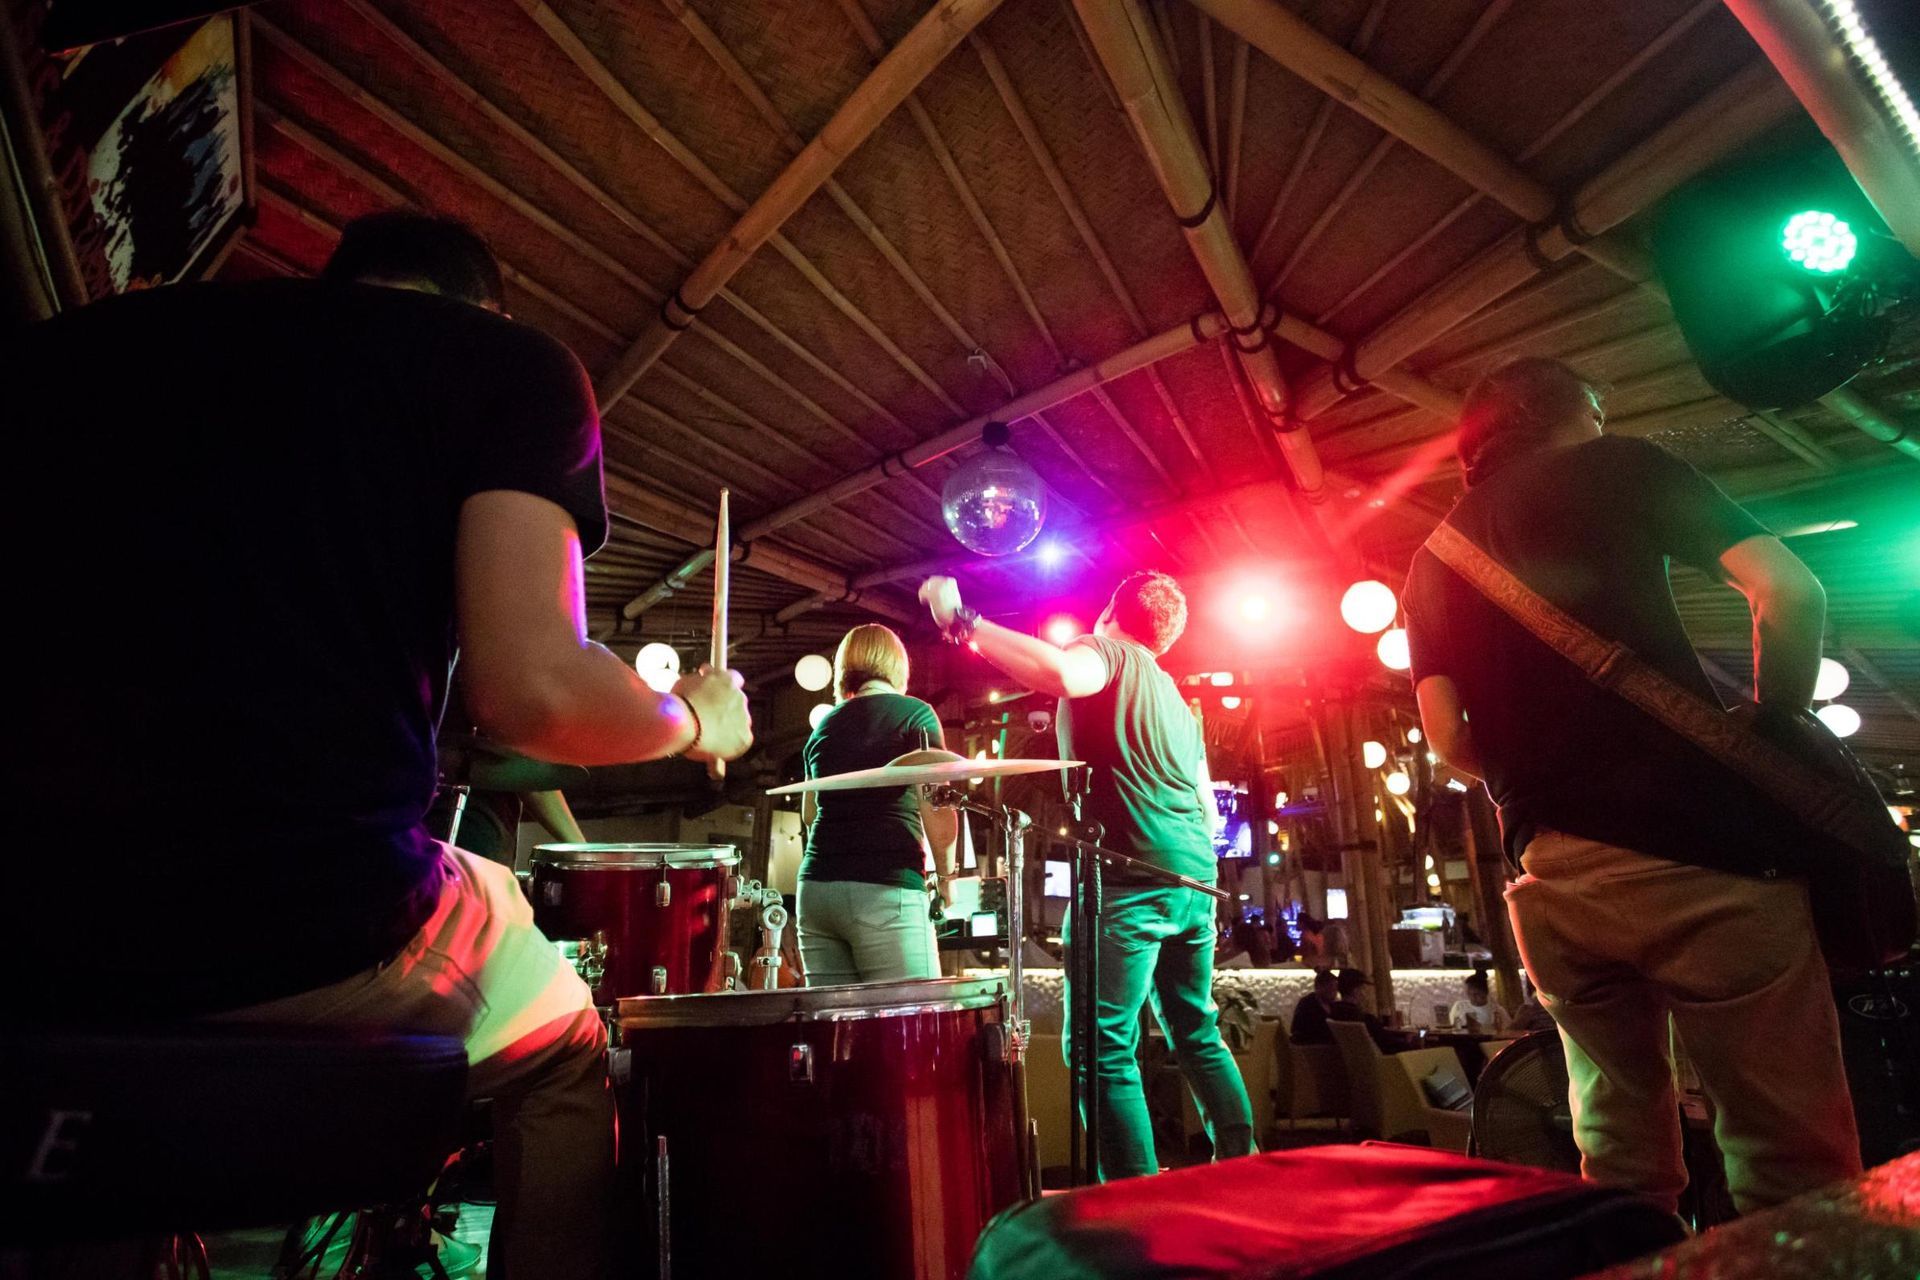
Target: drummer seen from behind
pixel 390 466
pixel 1150 791
pixel 863 911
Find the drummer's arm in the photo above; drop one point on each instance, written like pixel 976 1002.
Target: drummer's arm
pixel 550 811
pixel 534 682
pixel 1077 671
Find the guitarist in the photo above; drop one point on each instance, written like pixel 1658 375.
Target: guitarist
pixel 1639 905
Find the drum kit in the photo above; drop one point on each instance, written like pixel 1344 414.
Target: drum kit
pixel 871 1130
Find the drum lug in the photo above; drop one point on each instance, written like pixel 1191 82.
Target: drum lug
pixel 662 894
pixel 659 979
pixel 800 1064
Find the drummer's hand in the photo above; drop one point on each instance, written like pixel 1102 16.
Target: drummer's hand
pixel 726 727
pixel 942 596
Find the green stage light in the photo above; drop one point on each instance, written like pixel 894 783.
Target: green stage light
pixel 1819 241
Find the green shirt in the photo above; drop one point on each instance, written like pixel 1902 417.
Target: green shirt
pixel 870 836
pixel 1146 752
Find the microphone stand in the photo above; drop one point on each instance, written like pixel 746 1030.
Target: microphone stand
pixel 1083 969
pixel 1011 825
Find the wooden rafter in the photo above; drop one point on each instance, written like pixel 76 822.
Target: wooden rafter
pixel 962 190
pixel 1489 18
pixel 1310 144
pixel 760 220
pixel 1572 116
pixel 749 88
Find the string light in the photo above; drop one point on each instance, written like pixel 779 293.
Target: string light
pixel 1369 606
pixel 1861 44
pixel 813 673
pixel 1230 703
pixel 1399 783
pixel 658 665
pixel 1414 736
pixel 1841 718
pixel 819 713
pixel 1372 754
pixel 1393 651
pixel 1831 682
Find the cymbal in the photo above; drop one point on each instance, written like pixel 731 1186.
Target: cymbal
pixel 937 773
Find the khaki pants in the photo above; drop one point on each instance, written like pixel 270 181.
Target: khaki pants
pixel 1618 943
pixel 479 970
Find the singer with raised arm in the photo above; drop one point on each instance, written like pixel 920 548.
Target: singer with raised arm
pixel 1151 799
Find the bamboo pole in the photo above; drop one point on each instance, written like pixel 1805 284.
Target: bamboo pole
pixel 1123 36
pixel 908 63
pixel 1730 116
pixel 1496 927
pixel 1802 45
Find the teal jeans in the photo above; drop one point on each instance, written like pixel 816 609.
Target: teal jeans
pixel 1156 946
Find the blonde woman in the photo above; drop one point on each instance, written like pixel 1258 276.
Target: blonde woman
pixel 863 912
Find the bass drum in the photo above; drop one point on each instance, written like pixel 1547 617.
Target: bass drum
pixel 866 1130
pixel 637 919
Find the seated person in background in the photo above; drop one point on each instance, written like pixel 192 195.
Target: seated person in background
pixel 1311 1014
pixel 1477 1012
pixel 1347 1009
pixel 1532 1015
pixel 863 910
pixel 310 491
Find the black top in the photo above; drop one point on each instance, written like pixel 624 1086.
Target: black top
pixel 1146 752
pixel 1592 528
pixel 871 836
pixel 1310 1022
pixel 236 535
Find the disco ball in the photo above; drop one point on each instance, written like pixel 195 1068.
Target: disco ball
pixel 994 504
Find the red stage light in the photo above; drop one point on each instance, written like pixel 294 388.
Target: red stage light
pixel 1255 608
pixel 1062 630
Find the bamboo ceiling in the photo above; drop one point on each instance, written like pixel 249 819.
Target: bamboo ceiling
pixel 1000 228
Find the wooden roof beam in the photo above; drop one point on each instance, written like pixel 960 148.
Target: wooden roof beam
pixel 1572 116
pixel 908 63
pixel 1128 47
pixel 742 79
pixel 1730 116
pixel 1295 44
pixel 962 189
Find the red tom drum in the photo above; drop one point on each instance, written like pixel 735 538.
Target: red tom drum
pixel 866 1130
pixel 637 919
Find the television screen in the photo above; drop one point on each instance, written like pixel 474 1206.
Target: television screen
pixel 1056 884
pixel 1233 835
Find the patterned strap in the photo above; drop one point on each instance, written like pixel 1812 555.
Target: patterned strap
pixel 1813 799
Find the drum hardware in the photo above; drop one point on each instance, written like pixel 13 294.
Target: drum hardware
pixel 588 956
pixel 753 895
pixel 663 894
pixel 659 979
pixel 663 1226
pixel 800 1064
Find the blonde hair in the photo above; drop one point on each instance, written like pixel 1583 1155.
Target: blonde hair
pixel 869 652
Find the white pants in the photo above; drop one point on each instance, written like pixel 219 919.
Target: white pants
pixel 479 970
pixel 1619 943
pixel 856 932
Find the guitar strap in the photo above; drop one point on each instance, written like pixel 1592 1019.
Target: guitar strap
pixel 1819 804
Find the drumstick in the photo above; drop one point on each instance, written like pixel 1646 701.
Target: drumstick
pixel 722 573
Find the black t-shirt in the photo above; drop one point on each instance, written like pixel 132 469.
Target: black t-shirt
pixel 1592 528
pixel 1145 750
pixel 233 513
pixel 871 836
pixel 1310 1022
